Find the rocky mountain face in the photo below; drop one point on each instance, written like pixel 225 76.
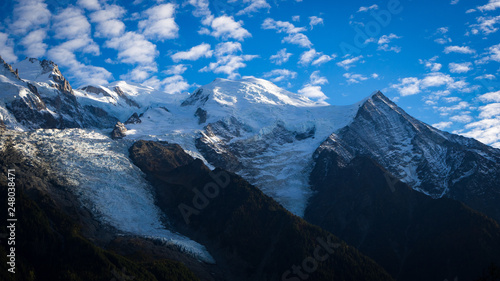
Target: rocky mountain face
pixel 430 161
pixel 249 234
pixel 36 95
pixel 391 186
pixel 397 226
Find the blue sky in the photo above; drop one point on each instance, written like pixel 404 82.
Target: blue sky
pixel 439 60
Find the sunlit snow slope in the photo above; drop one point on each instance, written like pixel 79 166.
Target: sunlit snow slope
pixel 100 173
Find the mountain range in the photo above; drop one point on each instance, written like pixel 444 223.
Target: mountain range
pixel 131 170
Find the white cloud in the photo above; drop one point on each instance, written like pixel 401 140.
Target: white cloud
pixel 353 78
pixel 323 59
pixel 294 33
pixel 70 23
pixel 307 56
pixel 491 6
pixel 494 53
pixel 298 39
pixel 7 48
pixel 461 118
pixel 89 4
pixel 452 99
pixel 278 75
pixel 159 23
pixel 177 69
pixel 296 18
pixel 460 67
pixel 314 20
pixel 170 85
pixel 312 89
pixel 486 76
pixel 431 64
pixel 383 43
pixel 227 48
pixel 454 2
pixel 108 23
pixel 348 63
pixel 442 125
pixel 470 11
pixel 412 85
pixel 489 110
pixel 140 73
pixel 368 8
pixel 315 58
pixel 226 27
pixel 281 57
pixel 29 15
pixel 317 79
pixel 490 97
pixel 458 107
pixel 459 49
pixel 486 25
pixel 201 8
pixel 133 48
pixel 281 26
pixel 196 52
pixel 33 43
pixel 313 92
pixel 81 74
pixel 408 86
pixel 254 6
pixel 486 131
pixel 227 60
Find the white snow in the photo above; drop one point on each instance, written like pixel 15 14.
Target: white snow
pixel 100 173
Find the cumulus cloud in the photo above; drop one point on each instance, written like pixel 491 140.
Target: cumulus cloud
pixel 201 8
pixel 486 25
pixel 80 73
pixel 7 48
pixel 33 43
pixel 412 85
pixel 294 33
pixel 442 125
pixel 177 69
pixel 312 89
pixel 159 23
pixel 489 110
pixel 254 6
pixel 170 85
pixel 281 57
pixel 108 21
pixel 29 15
pixel 196 52
pixel 459 49
pixel 460 67
pixel 298 39
pixel 462 118
pixel 314 20
pixel 228 62
pixel 490 6
pixel 89 4
pixel 353 78
pixel 486 131
pixel 70 23
pixel 133 48
pixel 368 8
pixel 383 43
pixel 431 64
pixel 278 75
pixel 486 76
pixel 226 27
pixel 350 62
pixel 490 97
